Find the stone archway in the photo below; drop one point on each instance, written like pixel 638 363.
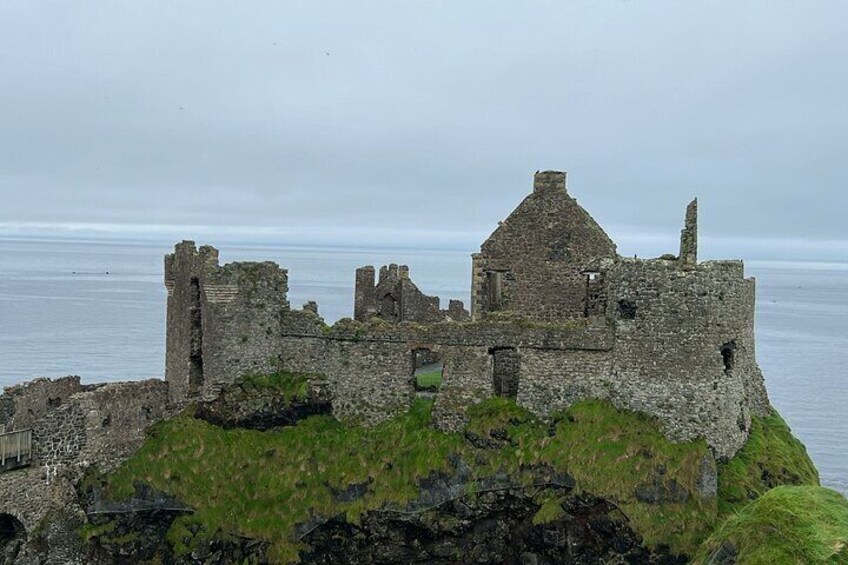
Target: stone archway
pixel 12 537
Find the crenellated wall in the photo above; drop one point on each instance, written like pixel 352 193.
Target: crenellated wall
pixel 395 298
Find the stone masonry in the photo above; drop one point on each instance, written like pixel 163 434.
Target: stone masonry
pixel 557 317
pixel 396 298
pixel 74 427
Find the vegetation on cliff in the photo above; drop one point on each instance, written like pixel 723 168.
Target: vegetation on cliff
pixel 772 456
pixel 275 485
pixel 785 525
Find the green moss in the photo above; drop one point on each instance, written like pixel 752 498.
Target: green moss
pixel 90 531
pixel 293 386
pixel 788 524
pixel 262 484
pixel 772 456
pixel 550 511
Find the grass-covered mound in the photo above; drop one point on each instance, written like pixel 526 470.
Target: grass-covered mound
pixel 771 457
pixel 786 525
pixel 263 485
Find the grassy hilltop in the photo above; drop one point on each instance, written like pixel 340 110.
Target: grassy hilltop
pixel 265 485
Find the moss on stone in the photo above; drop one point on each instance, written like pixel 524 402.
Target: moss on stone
pixel 89 531
pixel 788 524
pixel 293 386
pixel 549 511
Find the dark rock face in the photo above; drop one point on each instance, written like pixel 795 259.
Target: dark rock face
pixel 135 531
pixel 244 406
pixel 492 527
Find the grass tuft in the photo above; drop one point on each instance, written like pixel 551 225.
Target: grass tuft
pixel 294 386
pixel 788 524
pixel 772 456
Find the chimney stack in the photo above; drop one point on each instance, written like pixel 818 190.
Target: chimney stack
pixel 549 180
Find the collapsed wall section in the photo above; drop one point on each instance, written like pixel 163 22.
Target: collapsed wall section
pixel 395 298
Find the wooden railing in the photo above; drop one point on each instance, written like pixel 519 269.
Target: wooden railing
pixel 15 448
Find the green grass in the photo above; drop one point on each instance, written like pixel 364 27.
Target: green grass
pixel 788 524
pixel 611 452
pixel 431 379
pixel 262 484
pixel 294 386
pixel 771 457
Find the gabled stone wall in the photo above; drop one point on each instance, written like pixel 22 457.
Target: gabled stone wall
pixel 532 265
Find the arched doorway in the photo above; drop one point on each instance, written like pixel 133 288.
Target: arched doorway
pixel 12 537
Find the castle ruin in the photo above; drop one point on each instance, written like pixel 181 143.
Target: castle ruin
pixel 557 316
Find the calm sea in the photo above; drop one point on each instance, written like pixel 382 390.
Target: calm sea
pixel 97 309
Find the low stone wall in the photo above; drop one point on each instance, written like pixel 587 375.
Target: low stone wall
pixel 74 427
pixel 369 381
pixel 116 417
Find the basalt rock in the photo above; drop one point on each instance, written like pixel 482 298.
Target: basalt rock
pixel 490 527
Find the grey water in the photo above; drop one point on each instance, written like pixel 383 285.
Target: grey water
pixel 97 309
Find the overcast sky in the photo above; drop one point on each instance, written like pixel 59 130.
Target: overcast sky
pixel 421 123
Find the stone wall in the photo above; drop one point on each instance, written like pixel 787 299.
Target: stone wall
pixel 558 317
pixel 78 426
pixel 672 325
pixel 369 380
pixel 73 427
pixel 116 417
pixel 395 298
pixel 223 322
pixel 532 265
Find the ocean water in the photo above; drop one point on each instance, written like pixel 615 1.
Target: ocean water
pixel 97 309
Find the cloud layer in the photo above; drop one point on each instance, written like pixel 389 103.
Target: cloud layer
pixel 383 120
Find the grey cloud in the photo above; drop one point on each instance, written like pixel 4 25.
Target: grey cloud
pixel 424 115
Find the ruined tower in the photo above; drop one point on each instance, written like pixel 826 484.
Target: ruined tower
pixel 223 322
